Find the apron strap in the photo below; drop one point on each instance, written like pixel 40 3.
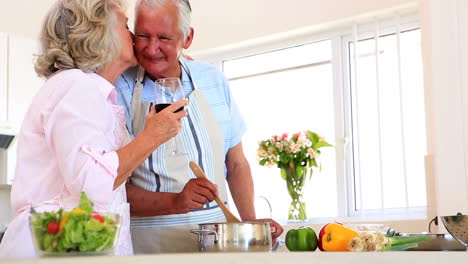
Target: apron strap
pixel 139 108
pixel 187 69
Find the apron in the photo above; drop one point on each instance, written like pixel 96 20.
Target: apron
pixel 17 241
pixel 177 238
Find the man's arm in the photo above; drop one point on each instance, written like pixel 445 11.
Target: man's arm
pixel 242 188
pixel 240 182
pixel 194 195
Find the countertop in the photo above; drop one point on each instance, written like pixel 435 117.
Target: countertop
pixel 270 258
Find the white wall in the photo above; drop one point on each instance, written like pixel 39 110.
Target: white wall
pixel 445 37
pixel 218 22
pixel 225 22
pixel 25 17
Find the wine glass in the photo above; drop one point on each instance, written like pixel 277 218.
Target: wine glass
pixel 168 91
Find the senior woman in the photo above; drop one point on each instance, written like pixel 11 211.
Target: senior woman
pixel 74 138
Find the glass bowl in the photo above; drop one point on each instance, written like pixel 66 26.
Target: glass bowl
pixel 41 237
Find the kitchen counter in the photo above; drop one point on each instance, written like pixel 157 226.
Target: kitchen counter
pixel 270 258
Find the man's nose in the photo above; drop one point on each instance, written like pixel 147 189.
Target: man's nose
pixel 152 47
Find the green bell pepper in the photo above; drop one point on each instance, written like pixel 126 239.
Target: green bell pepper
pixel 301 239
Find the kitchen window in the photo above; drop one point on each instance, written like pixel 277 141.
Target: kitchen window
pixel 287 90
pixel 361 88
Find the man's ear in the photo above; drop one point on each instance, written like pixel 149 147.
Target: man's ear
pixel 188 40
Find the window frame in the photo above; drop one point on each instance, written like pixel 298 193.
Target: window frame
pixel 367 32
pixel 339 37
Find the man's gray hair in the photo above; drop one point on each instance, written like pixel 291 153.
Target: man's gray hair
pixel 183 6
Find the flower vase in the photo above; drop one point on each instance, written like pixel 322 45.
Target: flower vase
pixel 295 179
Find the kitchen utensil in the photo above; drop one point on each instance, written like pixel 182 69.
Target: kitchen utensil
pixel 234 237
pixel 201 175
pixel 436 242
pixel 457 226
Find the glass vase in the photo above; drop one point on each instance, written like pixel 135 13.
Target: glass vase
pixel 295 179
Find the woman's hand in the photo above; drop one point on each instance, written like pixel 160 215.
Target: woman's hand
pixel 167 123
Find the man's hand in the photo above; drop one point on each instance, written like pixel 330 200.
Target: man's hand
pixel 187 57
pixel 196 193
pixel 276 229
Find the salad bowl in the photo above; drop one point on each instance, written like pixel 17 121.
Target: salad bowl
pixel 79 232
pixel 64 234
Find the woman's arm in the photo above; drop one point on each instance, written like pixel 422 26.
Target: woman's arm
pixel 159 128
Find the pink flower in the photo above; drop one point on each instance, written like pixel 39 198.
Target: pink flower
pixel 284 136
pixel 312 153
pixel 321 138
pixel 295 148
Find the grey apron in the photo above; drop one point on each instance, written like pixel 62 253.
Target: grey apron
pixel 176 238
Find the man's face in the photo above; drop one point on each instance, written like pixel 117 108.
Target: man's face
pixel 159 42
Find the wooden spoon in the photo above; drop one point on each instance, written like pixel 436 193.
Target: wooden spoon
pixel 201 175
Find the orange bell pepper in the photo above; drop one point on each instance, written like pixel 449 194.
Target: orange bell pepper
pixel 63 221
pixel 335 237
pixel 79 211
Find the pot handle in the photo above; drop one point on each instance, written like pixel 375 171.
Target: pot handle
pixel 202 232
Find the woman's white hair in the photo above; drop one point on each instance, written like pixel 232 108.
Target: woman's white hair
pixel 185 11
pixel 79 34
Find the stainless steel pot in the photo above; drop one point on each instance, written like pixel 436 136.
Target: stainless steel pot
pixel 234 237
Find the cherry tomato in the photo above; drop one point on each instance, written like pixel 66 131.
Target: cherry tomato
pixel 53 228
pixel 97 216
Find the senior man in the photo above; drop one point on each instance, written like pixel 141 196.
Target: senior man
pixel 166 198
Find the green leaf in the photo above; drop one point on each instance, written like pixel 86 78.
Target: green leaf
pixel 85 203
pixel 283 174
pixel 313 137
pixel 322 144
pixel 313 163
pixel 299 172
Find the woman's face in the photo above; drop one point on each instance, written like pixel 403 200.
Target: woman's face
pixel 127 56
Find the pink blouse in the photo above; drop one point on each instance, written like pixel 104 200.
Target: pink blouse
pixel 67 144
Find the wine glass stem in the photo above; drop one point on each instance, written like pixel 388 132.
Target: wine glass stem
pixel 174 146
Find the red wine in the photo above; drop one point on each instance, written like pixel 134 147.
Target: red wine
pixel 160 107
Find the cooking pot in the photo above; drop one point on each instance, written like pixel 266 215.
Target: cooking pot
pixel 234 237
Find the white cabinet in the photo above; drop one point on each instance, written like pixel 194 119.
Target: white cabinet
pixel 3 76
pixel 8 163
pixel 18 85
pixel 21 79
